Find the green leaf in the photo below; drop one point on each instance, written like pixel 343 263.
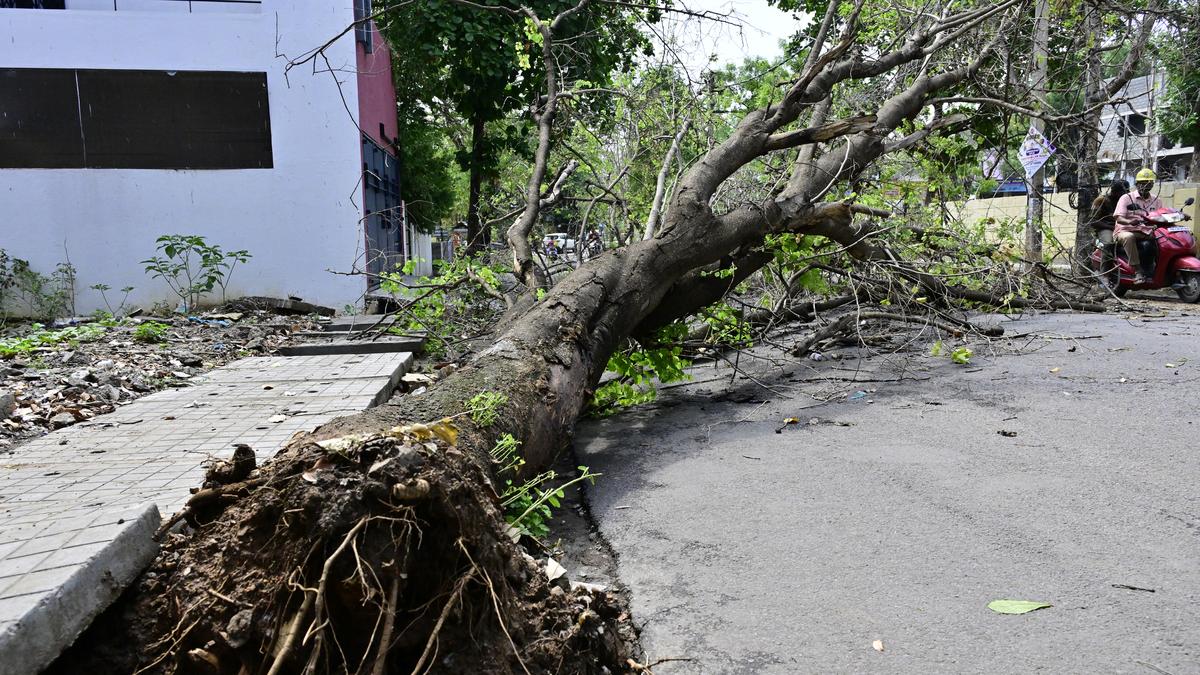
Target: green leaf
pixel 1016 606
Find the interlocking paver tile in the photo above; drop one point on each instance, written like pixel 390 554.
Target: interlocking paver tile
pixel 77 500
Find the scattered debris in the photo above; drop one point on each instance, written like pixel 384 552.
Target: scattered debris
pixel 1133 588
pixel 47 383
pixel 1007 434
pixel 554 571
pixel 877 645
pixel 289 305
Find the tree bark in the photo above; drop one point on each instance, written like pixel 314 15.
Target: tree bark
pixel 476 237
pixel 1088 174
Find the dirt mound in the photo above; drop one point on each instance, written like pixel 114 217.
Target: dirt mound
pixel 378 554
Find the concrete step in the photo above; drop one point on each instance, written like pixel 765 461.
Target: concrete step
pixel 359 322
pixel 383 345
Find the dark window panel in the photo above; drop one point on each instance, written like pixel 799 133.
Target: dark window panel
pixel 175 120
pixel 39 120
pixel 33 4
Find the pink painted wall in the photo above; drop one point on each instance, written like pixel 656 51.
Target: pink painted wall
pixel 376 91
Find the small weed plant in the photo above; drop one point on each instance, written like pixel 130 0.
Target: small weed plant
pixel 34 294
pixel 529 505
pixel 121 308
pixel 40 338
pixel 150 332
pixel 191 267
pixel 485 408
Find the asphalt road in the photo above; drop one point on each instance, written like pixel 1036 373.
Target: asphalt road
pixel 899 515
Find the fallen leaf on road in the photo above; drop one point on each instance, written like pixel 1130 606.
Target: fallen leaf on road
pixel 1016 606
pixel 786 422
pixel 878 645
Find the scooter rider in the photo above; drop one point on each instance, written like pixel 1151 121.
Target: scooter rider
pixel 1103 221
pixel 1129 229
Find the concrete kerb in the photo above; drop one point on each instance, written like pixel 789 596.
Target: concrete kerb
pixel 54 617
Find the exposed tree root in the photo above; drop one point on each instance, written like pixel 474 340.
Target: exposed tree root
pixel 377 555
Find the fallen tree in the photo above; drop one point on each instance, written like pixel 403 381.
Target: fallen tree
pixel 378 543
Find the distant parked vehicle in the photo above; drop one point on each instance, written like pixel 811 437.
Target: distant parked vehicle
pixel 559 240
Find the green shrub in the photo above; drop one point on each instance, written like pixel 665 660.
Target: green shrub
pixel 151 332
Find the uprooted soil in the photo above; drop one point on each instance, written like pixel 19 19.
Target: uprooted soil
pixel 387 554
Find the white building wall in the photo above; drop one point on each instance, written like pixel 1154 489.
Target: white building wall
pixel 422 252
pixel 299 219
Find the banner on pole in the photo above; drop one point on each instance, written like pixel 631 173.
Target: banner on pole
pixel 1035 150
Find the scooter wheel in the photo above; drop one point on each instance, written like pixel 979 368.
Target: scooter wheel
pixel 1190 290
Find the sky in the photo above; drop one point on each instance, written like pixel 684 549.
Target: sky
pixel 762 28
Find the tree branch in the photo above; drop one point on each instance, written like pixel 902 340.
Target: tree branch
pixel 660 185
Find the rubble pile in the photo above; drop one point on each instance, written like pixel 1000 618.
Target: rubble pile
pixel 54 379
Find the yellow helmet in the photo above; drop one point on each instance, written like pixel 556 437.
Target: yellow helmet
pixel 1145 174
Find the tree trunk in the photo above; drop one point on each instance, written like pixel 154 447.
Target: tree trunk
pixel 1088 173
pixel 476 238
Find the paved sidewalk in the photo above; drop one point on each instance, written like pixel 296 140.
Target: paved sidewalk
pixel 78 507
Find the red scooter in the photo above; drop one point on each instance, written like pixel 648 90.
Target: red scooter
pixel 1168 257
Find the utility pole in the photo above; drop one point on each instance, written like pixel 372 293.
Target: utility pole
pixel 1033 200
